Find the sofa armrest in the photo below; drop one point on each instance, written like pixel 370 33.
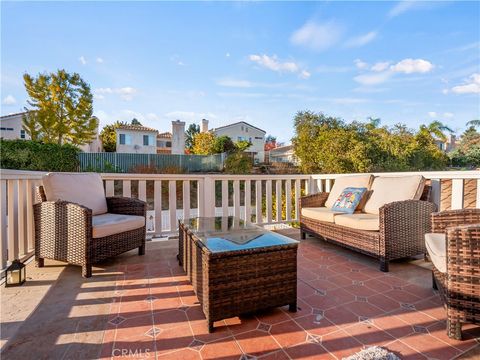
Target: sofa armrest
pixel 63 230
pixel 314 200
pixel 403 225
pixel 126 206
pixel 444 219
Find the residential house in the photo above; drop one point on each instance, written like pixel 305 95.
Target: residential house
pixel 11 128
pixel 447 145
pixel 243 131
pixel 283 154
pixel 136 139
pixel 164 143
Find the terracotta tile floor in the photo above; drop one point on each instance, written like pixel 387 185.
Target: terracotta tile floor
pixel 345 303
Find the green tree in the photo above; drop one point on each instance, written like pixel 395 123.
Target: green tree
pixel 108 135
pixel 203 143
pixel 329 145
pixel 223 144
pixel 60 108
pixel 192 130
pixel 135 122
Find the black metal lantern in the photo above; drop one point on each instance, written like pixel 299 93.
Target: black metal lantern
pixel 15 274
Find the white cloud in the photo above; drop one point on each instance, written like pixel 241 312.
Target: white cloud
pixel 152 117
pixel 227 55
pixel 401 7
pixel 409 66
pixel 448 115
pixel 470 86
pixel 126 93
pixel 432 114
pixel 235 83
pixel 304 74
pixel 274 64
pixel 361 40
pixel 360 64
pixel 317 36
pixel 380 66
pixel 373 78
pixel 82 60
pixel 99 60
pixel 382 71
pixel 9 100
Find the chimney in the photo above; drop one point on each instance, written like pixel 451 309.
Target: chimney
pixel 204 126
pixel 178 137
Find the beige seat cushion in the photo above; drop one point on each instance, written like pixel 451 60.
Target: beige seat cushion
pixel 110 224
pixel 320 213
pixel 84 188
pixel 387 189
pixel 343 182
pixel 360 221
pixel 436 244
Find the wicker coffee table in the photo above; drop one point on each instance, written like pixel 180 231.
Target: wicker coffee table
pixel 237 268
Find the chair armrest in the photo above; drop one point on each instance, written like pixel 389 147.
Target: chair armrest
pixel 126 206
pixel 314 200
pixel 63 230
pixel 463 265
pixel 403 225
pixel 444 219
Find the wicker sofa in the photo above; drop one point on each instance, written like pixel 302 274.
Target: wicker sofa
pixel 76 223
pixel 454 248
pixel 391 224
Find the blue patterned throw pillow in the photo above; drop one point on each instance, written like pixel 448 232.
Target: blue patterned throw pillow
pixel 349 199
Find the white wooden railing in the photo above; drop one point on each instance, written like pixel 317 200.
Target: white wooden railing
pixel 256 198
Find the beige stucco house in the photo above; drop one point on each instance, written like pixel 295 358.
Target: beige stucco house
pixel 136 139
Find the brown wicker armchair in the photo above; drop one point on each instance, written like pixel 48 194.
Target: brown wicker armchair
pixel 70 232
pixel 457 233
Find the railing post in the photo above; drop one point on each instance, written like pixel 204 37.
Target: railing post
pixel 457 194
pixel 436 192
pixel 157 203
pixel 208 196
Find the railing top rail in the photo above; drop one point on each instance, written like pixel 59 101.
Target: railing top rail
pixel 9 174
pixel 464 174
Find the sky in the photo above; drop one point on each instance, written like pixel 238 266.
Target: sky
pixel 259 62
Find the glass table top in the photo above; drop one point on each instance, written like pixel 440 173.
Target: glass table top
pixel 221 234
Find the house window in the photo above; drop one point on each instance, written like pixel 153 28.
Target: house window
pixel 246 129
pixel 169 144
pixel 258 137
pixel 125 139
pixel 6 129
pixel 145 140
pixel 22 134
pixel 242 127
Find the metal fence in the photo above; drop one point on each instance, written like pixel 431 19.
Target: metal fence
pixel 124 163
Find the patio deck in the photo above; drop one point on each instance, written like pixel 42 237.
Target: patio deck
pixel 144 308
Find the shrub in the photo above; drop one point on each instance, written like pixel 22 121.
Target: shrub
pixel 238 163
pixel 38 156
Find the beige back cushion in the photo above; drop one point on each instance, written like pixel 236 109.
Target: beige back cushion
pixel 84 189
pixel 387 189
pixel 343 182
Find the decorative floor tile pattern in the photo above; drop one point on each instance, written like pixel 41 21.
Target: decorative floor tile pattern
pixel 344 304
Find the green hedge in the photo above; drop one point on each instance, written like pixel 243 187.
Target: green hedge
pixel 34 155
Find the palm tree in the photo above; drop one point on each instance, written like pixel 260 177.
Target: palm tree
pixel 474 123
pixel 437 130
